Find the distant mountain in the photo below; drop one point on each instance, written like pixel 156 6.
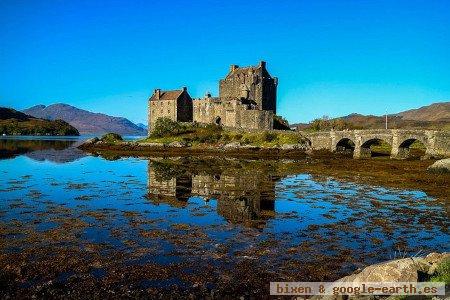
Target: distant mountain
pixel 9 113
pixel 143 126
pixel 434 112
pixel 434 116
pixel 13 122
pixel 85 121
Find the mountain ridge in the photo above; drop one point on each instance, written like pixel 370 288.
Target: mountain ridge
pixel 434 112
pixel 433 116
pixel 85 121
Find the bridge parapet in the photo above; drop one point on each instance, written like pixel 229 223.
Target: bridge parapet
pixel 437 142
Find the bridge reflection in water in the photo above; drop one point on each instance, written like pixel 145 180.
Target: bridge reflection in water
pixel 244 195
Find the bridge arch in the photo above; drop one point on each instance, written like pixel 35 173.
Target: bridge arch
pixel 345 145
pixel 374 146
pixel 436 142
pixel 411 148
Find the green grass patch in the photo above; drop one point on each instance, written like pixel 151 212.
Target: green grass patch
pixel 442 273
pixel 111 138
pixel 193 134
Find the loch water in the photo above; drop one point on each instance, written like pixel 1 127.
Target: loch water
pixel 84 215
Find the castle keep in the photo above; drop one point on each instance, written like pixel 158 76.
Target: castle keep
pixel 247 100
pixel 175 105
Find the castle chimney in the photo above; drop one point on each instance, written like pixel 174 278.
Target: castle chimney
pixel 157 94
pixel 262 64
pixel 233 67
pixel 184 89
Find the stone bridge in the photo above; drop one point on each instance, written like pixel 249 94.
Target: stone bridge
pixel 437 143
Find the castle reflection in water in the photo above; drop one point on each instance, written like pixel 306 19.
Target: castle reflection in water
pixel 244 195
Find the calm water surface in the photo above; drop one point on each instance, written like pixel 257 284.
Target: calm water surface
pixel 200 214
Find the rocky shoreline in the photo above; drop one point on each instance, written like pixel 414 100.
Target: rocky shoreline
pixel 407 269
pixel 177 149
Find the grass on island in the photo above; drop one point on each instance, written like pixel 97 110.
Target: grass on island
pixel 442 273
pixel 166 131
pixel 111 138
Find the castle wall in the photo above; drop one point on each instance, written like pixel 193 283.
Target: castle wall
pixel 184 111
pixel 205 111
pixel 252 83
pixel 162 109
pixel 236 87
pixel 256 119
pixel 231 114
pixel 247 100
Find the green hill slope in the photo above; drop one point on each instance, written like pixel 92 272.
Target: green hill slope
pixel 13 122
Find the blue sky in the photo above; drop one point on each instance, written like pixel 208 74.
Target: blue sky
pixel 331 57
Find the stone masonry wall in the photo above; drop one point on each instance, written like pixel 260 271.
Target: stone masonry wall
pixel 162 109
pixel 231 114
pixel 253 83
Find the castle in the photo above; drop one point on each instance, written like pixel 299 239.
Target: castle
pixel 247 100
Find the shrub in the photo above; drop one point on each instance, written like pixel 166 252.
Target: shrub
pixel 268 136
pixel 325 124
pixel 280 123
pixel 442 273
pixel 237 137
pixel 164 127
pixel 111 137
pixel 226 137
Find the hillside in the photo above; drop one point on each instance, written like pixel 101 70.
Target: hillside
pixel 434 116
pixel 13 122
pixel 433 112
pixel 85 121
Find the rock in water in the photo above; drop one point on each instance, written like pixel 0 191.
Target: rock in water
pixel 442 165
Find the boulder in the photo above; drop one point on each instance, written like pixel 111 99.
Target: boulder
pixel 250 147
pixel 91 141
pixel 233 145
pixel 399 270
pixel 177 144
pixel 151 144
pixel 442 165
pixel 293 147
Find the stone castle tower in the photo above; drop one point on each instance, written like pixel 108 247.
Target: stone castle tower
pixel 247 99
pixel 251 84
